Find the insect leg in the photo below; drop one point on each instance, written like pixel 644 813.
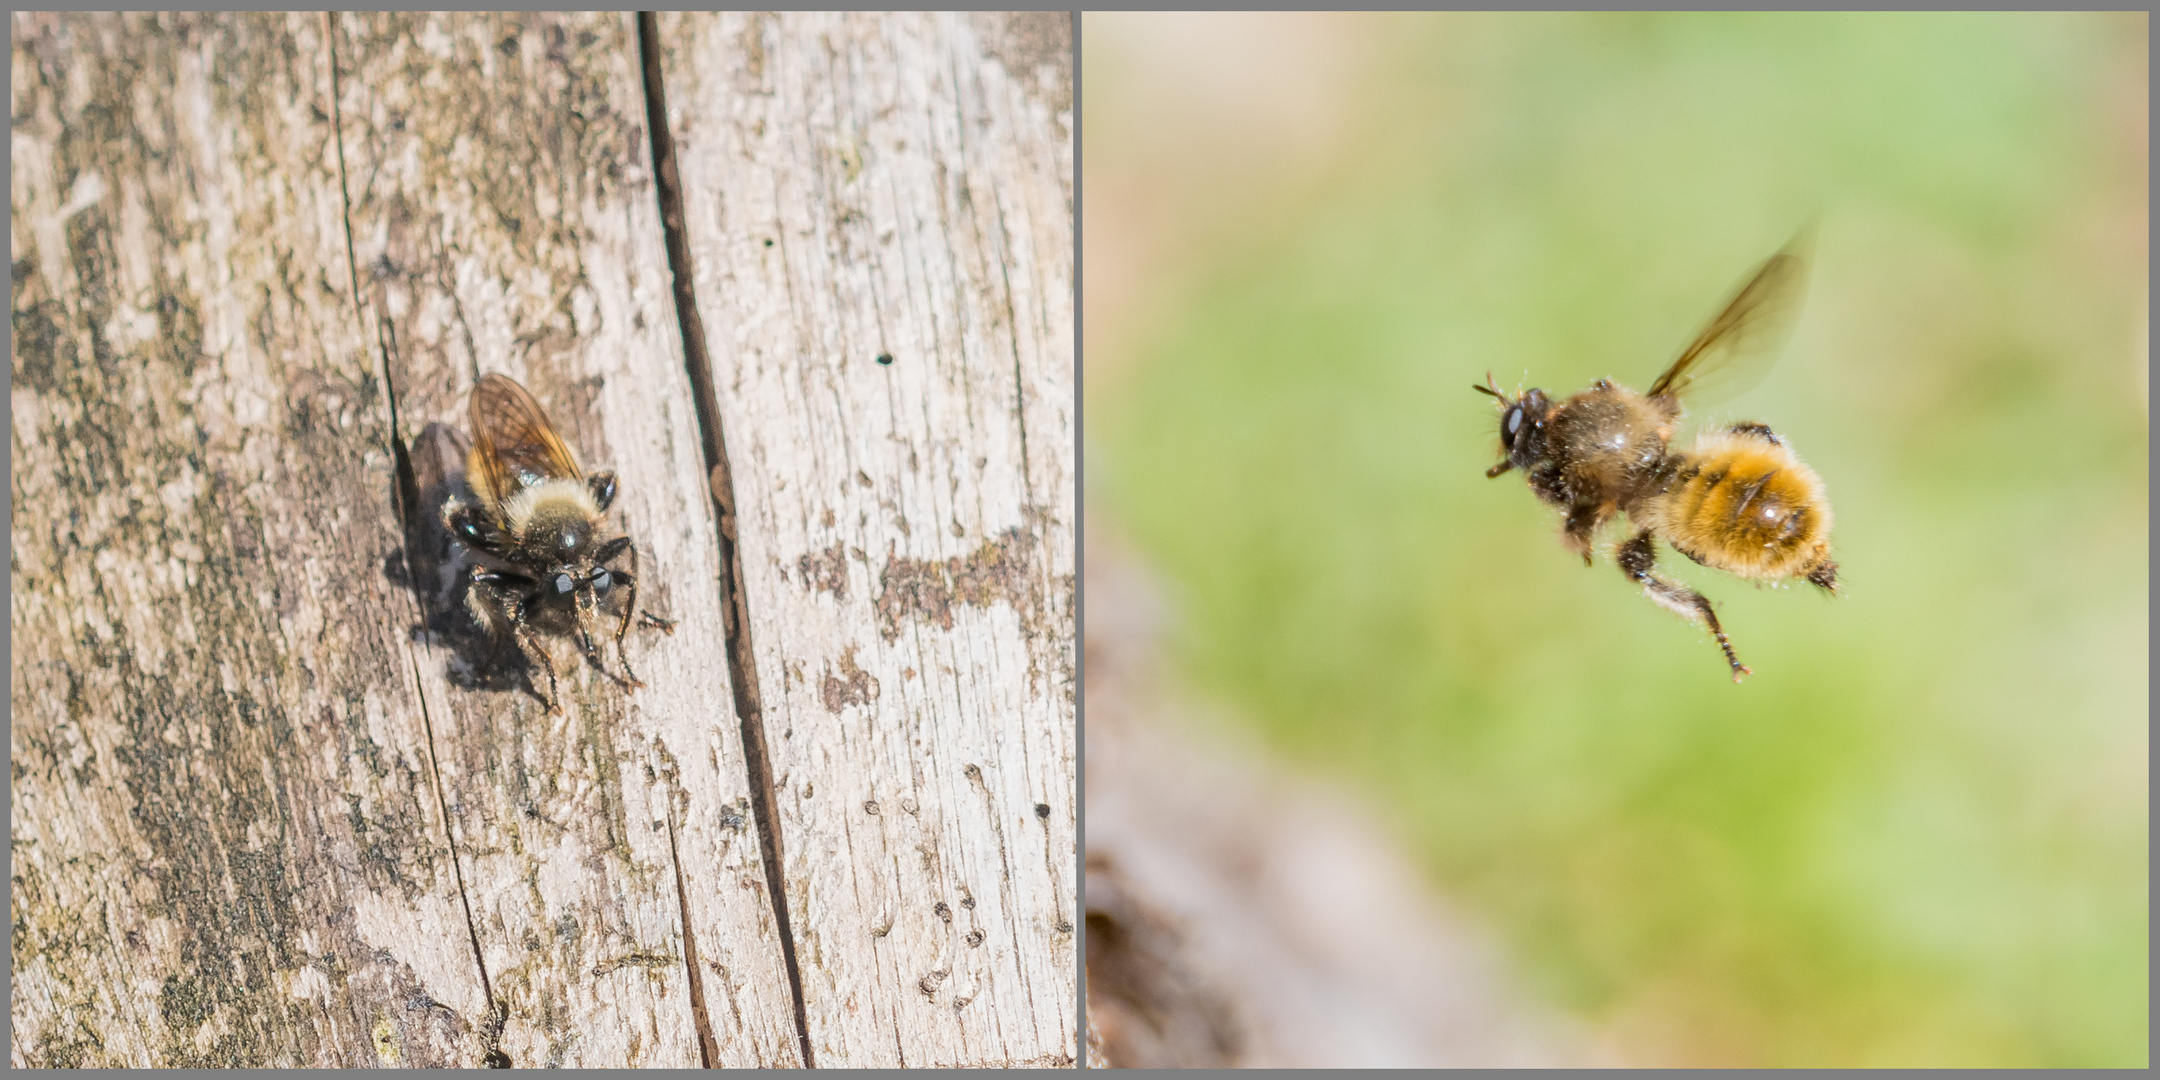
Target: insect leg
pixel 1582 523
pixel 491 597
pixel 1824 577
pixel 588 608
pixel 530 642
pixel 1636 558
pixel 1750 427
pixel 628 609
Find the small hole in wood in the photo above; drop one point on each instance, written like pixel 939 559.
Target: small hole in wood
pixel 496 1059
pixel 884 358
pixel 768 243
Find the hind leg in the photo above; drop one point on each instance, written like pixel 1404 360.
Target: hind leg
pixel 1636 558
pixel 1750 427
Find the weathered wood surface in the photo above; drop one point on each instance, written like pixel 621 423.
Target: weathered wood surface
pixel 503 218
pixel 226 845
pixel 269 804
pixel 880 211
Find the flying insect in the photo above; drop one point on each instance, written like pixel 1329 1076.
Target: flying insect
pixel 1738 499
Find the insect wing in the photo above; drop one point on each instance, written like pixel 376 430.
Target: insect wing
pixel 514 446
pixel 1737 348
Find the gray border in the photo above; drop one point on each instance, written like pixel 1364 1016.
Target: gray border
pixel 1079 642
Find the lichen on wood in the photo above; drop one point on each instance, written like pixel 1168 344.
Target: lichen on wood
pixel 226 849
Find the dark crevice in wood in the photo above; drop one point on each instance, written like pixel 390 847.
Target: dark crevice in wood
pixel 742 661
pixel 406 495
pixel 708 1048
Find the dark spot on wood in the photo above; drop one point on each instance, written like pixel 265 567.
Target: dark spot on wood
pixel 975 939
pixel 929 984
pixel 943 911
pixel 1002 570
pixel 851 686
pixel 1027 41
pixel 825 571
pixel 1042 811
pixel 884 358
pixel 871 807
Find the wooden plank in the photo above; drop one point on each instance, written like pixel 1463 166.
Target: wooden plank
pixel 879 210
pixel 503 205
pixel 227 846
pixel 229 831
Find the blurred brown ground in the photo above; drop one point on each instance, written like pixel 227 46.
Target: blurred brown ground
pixel 1239 915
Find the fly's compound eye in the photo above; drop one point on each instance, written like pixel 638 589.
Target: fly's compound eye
pixel 563 583
pixel 601 579
pixel 1511 426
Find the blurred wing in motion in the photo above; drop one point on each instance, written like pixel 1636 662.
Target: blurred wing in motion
pixel 1737 349
pixel 514 446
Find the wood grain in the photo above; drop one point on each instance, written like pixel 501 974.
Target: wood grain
pixel 231 847
pixel 879 210
pixel 503 208
pixel 227 848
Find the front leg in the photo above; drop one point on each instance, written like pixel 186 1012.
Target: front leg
pixel 1583 522
pixel 601 575
pixel 1636 558
pixel 500 595
pixel 622 656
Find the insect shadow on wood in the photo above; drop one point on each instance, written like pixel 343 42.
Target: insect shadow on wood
pixel 507 543
pixel 436 567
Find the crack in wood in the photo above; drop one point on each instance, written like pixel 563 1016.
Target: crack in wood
pixel 742 664
pixel 708 1047
pixel 406 492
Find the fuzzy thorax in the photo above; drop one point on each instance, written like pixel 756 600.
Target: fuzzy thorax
pixel 552 521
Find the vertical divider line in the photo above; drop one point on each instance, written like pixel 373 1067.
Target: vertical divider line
pixel 742 659
pixel 1080 934
pixel 405 494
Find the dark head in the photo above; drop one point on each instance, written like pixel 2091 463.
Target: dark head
pixel 1522 426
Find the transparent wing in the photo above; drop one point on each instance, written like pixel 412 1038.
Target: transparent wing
pixel 1740 345
pixel 514 445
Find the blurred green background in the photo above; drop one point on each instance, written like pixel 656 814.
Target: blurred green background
pixel 1918 835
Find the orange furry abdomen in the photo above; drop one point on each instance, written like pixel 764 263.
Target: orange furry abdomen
pixel 1748 506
